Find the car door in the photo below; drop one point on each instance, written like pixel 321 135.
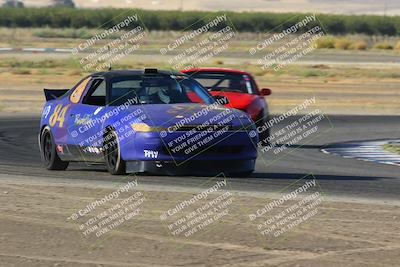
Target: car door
pixel 85 131
pixel 59 120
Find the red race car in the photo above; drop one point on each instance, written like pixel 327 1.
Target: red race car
pixel 240 89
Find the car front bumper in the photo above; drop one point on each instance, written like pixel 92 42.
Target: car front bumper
pixel 191 167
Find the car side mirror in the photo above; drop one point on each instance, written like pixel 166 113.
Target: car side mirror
pixel 222 100
pixel 265 91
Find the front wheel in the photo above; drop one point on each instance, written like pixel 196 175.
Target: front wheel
pixel 112 154
pixel 49 156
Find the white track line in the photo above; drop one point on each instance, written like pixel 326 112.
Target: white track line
pixel 368 151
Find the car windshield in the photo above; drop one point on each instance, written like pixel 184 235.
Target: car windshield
pixel 227 82
pixel 157 89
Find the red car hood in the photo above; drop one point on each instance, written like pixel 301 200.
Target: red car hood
pixel 236 100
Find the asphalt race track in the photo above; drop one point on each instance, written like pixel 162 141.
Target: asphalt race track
pixel 338 177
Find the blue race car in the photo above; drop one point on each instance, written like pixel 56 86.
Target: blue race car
pixel 145 121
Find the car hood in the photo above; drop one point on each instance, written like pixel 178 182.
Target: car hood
pixel 236 100
pixel 193 114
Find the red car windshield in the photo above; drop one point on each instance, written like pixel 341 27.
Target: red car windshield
pixel 226 82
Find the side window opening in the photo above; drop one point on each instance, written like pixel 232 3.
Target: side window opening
pixel 96 95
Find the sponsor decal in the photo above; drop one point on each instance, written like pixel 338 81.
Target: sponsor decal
pixel 150 154
pixel 83 120
pixel 93 149
pixel 46 111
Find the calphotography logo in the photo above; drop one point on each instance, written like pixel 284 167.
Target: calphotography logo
pixel 297 205
pixel 279 50
pixel 110 211
pixel 292 130
pixel 87 128
pixel 202 130
pixel 210 38
pixel 201 212
pixel 112 45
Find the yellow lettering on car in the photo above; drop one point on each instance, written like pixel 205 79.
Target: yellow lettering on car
pixel 58 115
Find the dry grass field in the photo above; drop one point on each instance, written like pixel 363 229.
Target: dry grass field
pixel 338 89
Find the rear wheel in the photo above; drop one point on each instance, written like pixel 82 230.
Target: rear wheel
pixel 49 156
pixel 115 164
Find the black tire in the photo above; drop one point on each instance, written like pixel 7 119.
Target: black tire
pixel 49 156
pixel 112 154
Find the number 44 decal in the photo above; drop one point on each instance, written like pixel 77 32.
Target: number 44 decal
pixel 58 115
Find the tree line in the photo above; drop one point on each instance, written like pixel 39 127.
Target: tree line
pixel 60 17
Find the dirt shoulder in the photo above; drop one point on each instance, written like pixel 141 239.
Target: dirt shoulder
pixel 39 229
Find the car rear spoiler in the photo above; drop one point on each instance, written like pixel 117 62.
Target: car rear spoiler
pixel 51 94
